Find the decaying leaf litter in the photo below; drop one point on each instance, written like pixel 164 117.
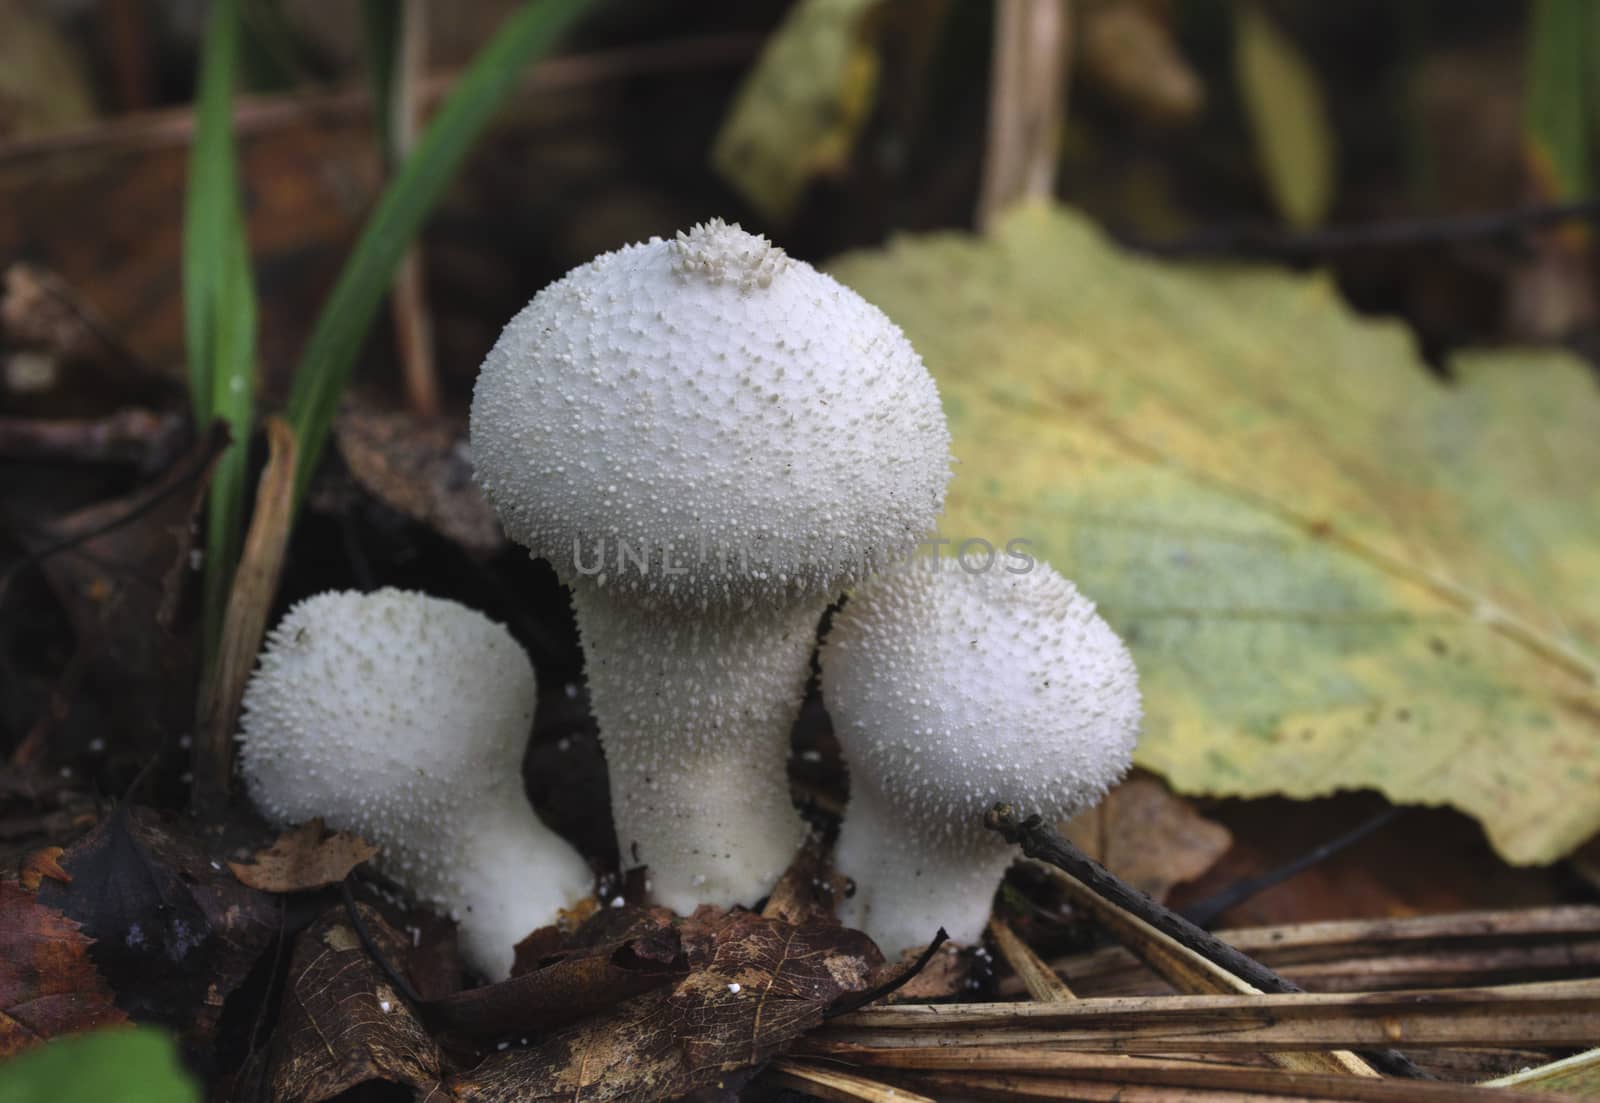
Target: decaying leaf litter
pixel 1337 570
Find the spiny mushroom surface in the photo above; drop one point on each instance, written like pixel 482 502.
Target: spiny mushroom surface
pixel 708 440
pixel 403 718
pixel 950 690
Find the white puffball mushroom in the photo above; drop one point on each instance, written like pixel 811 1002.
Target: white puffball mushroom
pixel 708 440
pixel 950 690
pixel 403 718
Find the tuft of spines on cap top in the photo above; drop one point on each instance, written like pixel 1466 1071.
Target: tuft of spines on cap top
pixel 721 253
pixel 950 690
pixel 708 440
pixel 404 718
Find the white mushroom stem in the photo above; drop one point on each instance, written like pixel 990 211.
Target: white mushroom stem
pixel 910 878
pixel 404 718
pixel 509 876
pixel 695 714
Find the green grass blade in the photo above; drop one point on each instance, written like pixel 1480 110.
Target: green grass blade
pixel 234 403
pixel 219 302
pixel 211 196
pixel 347 315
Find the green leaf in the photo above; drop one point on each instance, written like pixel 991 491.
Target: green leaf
pixel 1561 38
pixel 1335 571
pixel 219 302
pixel 800 110
pixel 137 1065
pixel 1288 118
pixel 347 315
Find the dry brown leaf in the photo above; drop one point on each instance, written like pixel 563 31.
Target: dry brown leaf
pixel 301 859
pixel 1129 53
pixel 173 932
pixel 39 864
pixel 1148 837
pixel 620 953
pixel 48 984
pixel 119 568
pixel 338 992
pixel 418 467
pixel 807 890
pixel 756 985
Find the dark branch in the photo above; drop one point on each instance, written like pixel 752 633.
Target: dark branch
pixel 1039 840
pixel 1272 244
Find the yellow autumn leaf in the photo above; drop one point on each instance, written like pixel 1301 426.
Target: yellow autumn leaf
pixel 1288 118
pixel 802 107
pixel 1335 570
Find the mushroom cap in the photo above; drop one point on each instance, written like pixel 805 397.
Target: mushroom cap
pixel 951 689
pixel 743 423
pixel 383 701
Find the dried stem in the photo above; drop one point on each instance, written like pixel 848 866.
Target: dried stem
pixel 1578 1074
pixel 255 584
pixel 1455 950
pixel 1038 978
pixel 812 1079
pixel 259 115
pixel 1027 91
pixel 1038 840
pixel 136 436
pixel 413 321
pixel 1560 1013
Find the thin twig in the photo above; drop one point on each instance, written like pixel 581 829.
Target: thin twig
pixel 1039 840
pixel 1204 912
pixel 265 114
pixel 138 436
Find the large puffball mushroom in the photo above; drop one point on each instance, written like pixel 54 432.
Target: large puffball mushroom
pixel 708 440
pixel 403 718
pixel 950 690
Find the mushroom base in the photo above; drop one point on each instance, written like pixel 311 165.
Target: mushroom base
pixel 695 713
pixel 913 878
pixel 509 876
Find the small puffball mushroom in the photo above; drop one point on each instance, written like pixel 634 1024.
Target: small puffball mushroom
pixel 708 441
pixel 403 718
pixel 950 690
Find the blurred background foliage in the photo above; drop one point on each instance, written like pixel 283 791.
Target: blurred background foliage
pixel 203 205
